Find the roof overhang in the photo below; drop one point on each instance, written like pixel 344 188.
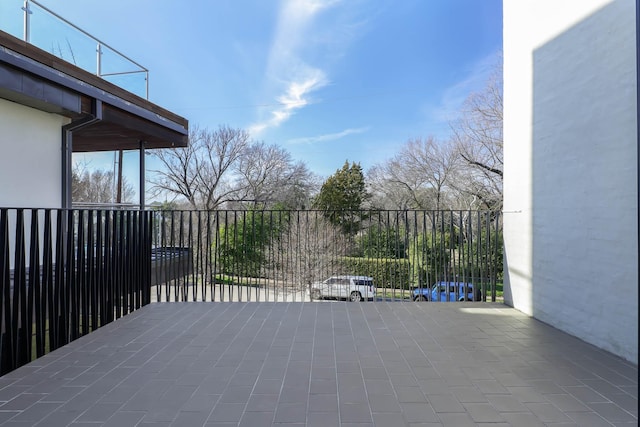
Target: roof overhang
pixel 33 77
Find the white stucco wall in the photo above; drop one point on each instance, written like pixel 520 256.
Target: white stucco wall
pixel 30 163
pixel 570 183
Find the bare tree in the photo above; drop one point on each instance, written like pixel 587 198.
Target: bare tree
pixel 478 138
pixel 387 192
pixel 268 175
pixel 97 186
pixel 418 177
pixel 308 250
pixel 201 172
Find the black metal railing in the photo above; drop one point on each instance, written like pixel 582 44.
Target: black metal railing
pixel 65 273
pixel 278 255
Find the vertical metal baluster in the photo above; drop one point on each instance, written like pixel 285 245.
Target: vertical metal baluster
pixel 225 262
pixel 296 268
pixel 20 329
pixel 171 267
pixel 479 270
pixel 235 267
pixel 137 266
pixel 470 237
pixel 452 255
pixel 179 266
pixel 113 265
pixel 48 282
pixel 425 282
pixel 198 270
pixel 459 247
pixel 56 324
pixel 72 280
pixel 285 263
pixel 67 311
pixel 98 286
pixel 498 249
pixel 106 313
pixel 133 258
pixel 126 262
pixel 6 361
pixel 215 250
pixel 90 285
pixel 190 281
pixel 119 247
pixel 116 280
pixel 147 243
pixel 78 275
pixel 437 247
pixel 162 282
pixel 250 267
pixel 34 301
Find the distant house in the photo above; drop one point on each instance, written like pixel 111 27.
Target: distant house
pixel 571 167
pixel 50 108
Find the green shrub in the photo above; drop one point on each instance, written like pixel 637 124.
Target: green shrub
pixel 243 243
pixel 383 242
pixel 430 257
pixel 386 272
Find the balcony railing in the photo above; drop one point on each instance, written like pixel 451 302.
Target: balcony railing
pixel 65 273
pixel 278 255
pixel 34 23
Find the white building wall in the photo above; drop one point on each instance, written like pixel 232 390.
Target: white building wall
pixel 30 160
pixel 570 184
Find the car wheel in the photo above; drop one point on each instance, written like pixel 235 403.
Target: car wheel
pixel 421 298
pixel 355 296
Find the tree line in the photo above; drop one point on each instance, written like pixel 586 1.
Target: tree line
pixel 224 168
pixel 281 221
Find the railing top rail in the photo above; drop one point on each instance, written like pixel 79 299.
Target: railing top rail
pixel 160 209
pixel 136 207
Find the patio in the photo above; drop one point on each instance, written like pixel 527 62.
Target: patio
pixel 323 364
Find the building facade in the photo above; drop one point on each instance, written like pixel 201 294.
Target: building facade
pixel 571 167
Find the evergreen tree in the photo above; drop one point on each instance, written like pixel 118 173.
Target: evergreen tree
pixel 342 196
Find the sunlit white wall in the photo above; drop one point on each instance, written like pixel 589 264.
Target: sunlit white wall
pixel 571 249
pixel 30 157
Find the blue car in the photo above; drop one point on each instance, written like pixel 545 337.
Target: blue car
pixel 448 291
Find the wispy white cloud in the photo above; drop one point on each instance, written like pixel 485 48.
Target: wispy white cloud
pixel 288 74
pixel 328 136
pixel 455 95
pixel 294 98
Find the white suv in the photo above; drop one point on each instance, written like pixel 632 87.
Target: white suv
pixel 353 288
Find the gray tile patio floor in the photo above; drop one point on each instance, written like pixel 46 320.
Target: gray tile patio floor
pixel 323 364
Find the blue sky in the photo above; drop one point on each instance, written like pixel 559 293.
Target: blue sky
pixel 329 80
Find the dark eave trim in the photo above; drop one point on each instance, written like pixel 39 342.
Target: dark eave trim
pixel 38 62
pixel 37 69
pixel 27 89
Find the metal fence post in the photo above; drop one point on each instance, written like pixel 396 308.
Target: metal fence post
pixel 26 34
